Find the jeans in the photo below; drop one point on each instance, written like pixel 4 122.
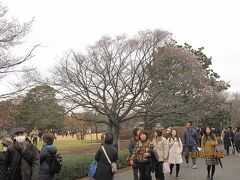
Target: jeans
pixel 188 150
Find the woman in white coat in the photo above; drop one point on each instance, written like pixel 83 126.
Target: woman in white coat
pixel 175 147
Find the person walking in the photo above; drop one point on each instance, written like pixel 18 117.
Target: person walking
pixel 175 147
pixel 5 144
pixel 237 140
pixel 34 135
pixel 132 144
pixel 141 153
pixel 228 139
pixel 160 145
pixel 223 134
pixel 22 158
pixel 103 171
pixel 190 143
pixel 168 133
pixel 208 149
pixel 46 157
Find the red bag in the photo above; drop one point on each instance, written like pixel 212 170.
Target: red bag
pixel 128 159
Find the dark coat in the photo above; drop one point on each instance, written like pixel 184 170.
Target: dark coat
pixel 2 157
pixel 103 171
pixel 14 161
pixel 228 138
pixel 46 157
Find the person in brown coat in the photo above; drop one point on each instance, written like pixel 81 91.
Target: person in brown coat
pixel 208 149
pixel 22 158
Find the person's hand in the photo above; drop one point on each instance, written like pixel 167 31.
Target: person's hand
pixel 146 155
pixel 131 162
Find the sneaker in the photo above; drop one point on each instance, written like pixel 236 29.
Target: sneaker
pixel 194 166
pixel 178 177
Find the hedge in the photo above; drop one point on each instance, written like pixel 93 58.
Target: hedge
pixel 77 166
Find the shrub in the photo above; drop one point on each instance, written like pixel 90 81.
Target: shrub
pixel 77 166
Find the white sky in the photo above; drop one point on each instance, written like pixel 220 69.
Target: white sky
pixel 61 25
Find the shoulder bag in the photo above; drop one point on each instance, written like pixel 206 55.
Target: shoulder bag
pixel 113 165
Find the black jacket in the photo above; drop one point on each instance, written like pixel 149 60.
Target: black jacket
pixel 2 157
pixel 228 138
pixel 103 171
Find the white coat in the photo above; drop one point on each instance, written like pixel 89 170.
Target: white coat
pixel 175 151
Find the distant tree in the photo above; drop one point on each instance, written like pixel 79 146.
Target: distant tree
pixel 234 108
pixel 11 35
pixel 206 62
pixel 112 77
pixel 40 108
pixel 188 88
pixel 75 124
pixel 7 109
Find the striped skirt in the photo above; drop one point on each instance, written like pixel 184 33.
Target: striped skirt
pixel 211 161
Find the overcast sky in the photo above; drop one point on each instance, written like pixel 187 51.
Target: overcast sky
pixel 61 25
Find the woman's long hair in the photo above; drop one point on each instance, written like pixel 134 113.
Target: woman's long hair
pixel 175 136
pixel 211 135
pixel 159 132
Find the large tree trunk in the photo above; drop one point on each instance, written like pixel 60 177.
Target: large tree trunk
pixel 115 130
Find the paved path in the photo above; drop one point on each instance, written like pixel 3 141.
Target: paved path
pixel 231 171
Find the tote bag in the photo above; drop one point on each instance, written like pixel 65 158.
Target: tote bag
pixel 166 168
pixel 92 169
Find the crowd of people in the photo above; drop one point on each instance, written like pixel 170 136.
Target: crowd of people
pixel 169 149
pixel 21 159
pixel 149 152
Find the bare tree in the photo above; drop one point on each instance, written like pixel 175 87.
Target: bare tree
pixel 11 35
pixel 112 77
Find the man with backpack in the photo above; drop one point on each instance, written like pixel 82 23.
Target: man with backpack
pixel 50 161
pixel 22 158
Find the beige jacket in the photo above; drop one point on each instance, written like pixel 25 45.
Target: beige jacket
pixel 160 145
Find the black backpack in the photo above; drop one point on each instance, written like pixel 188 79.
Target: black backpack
pixel 55 164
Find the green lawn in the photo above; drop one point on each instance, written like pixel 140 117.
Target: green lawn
pixel 67 144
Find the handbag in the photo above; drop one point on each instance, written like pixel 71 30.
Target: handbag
pixel 128 160
pixel 92 169
pixel 166 168
pixel 113 165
